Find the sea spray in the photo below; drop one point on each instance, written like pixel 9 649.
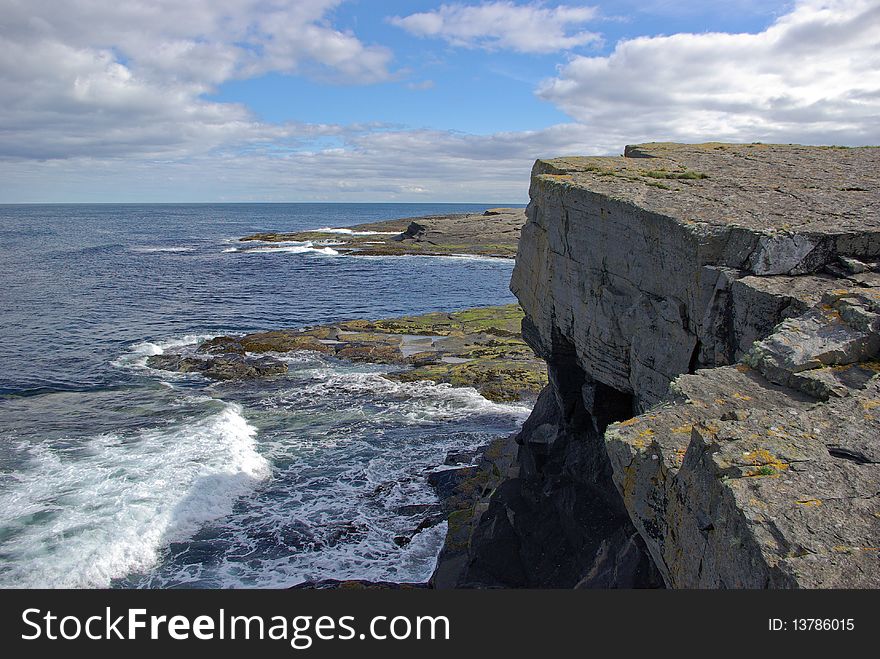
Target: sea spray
pixel 81 518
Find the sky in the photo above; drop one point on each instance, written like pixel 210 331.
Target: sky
pixel 406 101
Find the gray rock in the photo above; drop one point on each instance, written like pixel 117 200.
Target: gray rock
pixel 644 280
pixel 231 366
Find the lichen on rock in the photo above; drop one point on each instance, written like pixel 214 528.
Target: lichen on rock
pixel 714 394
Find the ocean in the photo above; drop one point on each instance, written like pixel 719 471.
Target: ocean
pixel 116 475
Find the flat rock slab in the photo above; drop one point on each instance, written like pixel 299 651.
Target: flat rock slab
pixel 493 233
pixel 799 189
pixel 480 348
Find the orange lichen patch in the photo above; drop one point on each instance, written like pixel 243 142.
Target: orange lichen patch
pixel 870 404
pixel 809 503
pixel 740 396
pixel 629 422
pixel 765 462
pixel 683 430
pixel 830 312
pixel 720 401
pixel 642 439
pixel 743 368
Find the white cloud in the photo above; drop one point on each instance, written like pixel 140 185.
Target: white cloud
pixel 529 28
pixel 106 78
pixel 367 163
pixel 813 76
pixel 109 102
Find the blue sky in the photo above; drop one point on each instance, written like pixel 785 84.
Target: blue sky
pixel 466 86
pixel 357 100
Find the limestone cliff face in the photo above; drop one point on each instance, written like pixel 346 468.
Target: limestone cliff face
pixel 710 317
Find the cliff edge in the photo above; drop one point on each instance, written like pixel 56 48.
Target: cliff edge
pixel 710 318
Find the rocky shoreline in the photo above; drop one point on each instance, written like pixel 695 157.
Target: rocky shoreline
pixel 709 318
pixel 493 233
pixel 480 348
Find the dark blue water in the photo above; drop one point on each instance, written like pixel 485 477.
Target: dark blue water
pixel 114 474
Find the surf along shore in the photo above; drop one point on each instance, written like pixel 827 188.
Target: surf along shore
pixel 479 347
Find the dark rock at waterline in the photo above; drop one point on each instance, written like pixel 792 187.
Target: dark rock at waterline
pixel 413 232
pixel 413 509
pixel 454 458
pixel 221 345
pixel 446 481
pixel 436 517
pixel 229 366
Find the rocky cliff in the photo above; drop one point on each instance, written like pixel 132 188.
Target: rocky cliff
pixel 710 318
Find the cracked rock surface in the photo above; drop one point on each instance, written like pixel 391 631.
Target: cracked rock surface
pixel 710 317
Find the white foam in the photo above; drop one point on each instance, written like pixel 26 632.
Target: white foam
pixel 351 232
pixel 411 403
pixel 355 449
pixel 171 250
pixel 82 519
pixel 137 355
pixel 450 257
pixel 285 248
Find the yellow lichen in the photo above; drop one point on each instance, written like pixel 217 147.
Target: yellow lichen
pixel 809 503
pixel 765 462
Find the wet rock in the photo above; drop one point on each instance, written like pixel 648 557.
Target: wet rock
pixel 454 458
pixel 479 348
pixel 221 345
pixel 446 481
pixel 282 341
pixel 220 367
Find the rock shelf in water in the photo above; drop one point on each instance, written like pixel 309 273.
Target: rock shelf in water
pixel 493 233
pixel 480 348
